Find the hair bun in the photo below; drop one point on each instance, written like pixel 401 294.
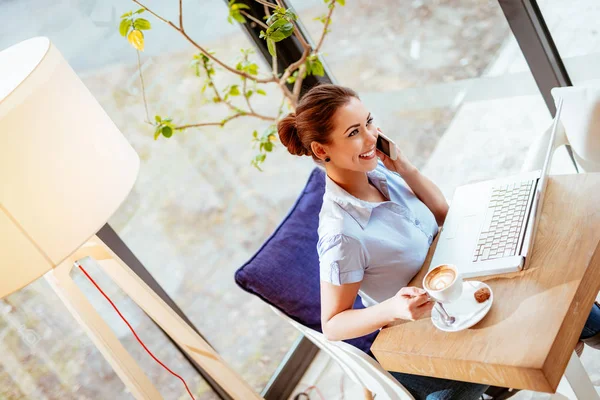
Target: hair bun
pixel 288 135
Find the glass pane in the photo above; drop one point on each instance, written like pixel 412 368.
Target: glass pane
pixel 574 29
pixel 445 80
pixel 47 355
pixel 198 211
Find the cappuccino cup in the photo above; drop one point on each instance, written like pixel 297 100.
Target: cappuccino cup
pixel 443 283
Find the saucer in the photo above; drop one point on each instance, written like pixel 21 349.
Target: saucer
pixel 465 309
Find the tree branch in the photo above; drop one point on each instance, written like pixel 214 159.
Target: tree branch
pixel 226 120
pixel 222 123
pixel 266 3
pixel 205 52
pixel 327 21
pixel 289 70
pixel 280 109
pixel 246 97
pixel 299 79
pixel 181 14
pixel 259 22
pixel 300 37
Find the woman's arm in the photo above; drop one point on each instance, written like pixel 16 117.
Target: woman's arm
pixel 339 321
pixel 427 192
pixel 423 187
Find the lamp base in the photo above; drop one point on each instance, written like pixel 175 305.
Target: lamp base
pixel 108 344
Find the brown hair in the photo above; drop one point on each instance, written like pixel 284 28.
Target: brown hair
pixel 313 120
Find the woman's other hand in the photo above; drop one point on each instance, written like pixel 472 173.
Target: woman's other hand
pixel 401 165
pixel 411 303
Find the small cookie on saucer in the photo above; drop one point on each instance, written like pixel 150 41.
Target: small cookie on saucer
pixel 482 294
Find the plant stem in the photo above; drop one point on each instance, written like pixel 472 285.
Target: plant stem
pixel 226 120
pixel 222 123
pixel 300 37
pixel 266 3
pixel 181 14
pixel 143 87
pixel 299 79
pixel 204 51
pixel 259 22
pixel 327 21
pixel 246 97
pixel 293 67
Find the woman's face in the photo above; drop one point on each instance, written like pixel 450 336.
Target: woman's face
pixel 353 140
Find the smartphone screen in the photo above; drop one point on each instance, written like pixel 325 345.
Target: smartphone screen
pixel 383 145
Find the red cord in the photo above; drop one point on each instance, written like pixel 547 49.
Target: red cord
pixel 133 331
pixel 308 389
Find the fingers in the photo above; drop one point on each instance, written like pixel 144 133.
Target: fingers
pixel 420 300
pixel 411 291
pixel 380 154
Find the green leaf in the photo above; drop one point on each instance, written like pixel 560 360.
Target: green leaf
pixel 277 36
pixel 238 17
pixel 261 92
pixel 317 68
pixel 293 77
pixel 255 134
pixel 261 157
pixel 127 14
pixel 229 19
pixel 142 24
pixel 124 27
pixel 268 146
pixel 276 25
pixel 240 6
pixel 141 10
pixel 271 47
pixel 262 34
pixel 157 118
pixel 249 93
pixel 167 131
pixel 341 2
pixel 239 66
pixel 157 132
pixel 252 69
pixel 286 31
pixel 308 70
pixel 235 90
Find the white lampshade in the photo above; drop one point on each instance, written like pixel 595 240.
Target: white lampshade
pixel 64 166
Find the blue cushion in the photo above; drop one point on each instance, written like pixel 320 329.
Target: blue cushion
pixel 284 272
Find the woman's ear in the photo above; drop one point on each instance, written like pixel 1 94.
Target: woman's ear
pixel 318 150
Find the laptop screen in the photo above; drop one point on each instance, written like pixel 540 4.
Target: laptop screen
pixel 543 181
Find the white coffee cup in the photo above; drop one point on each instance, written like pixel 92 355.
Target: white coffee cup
pixel 443 283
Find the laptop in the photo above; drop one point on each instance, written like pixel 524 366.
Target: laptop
pixel 491 225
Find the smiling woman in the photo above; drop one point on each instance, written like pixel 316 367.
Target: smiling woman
pixel 313 120
pixel 376 224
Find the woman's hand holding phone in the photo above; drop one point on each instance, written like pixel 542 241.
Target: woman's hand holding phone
pixel 401 164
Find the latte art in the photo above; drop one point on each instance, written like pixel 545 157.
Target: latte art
pixel 440 278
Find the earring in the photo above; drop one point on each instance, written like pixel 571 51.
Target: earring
pixel 327 159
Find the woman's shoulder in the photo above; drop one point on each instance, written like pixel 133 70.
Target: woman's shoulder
pixel 334 220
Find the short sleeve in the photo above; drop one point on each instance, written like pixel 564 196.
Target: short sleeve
pixel 341 259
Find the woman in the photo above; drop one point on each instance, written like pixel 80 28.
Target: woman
pixel 376 224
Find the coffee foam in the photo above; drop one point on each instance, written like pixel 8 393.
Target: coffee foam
pixel 441 278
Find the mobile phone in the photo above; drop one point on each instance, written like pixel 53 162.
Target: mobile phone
pixel 386 146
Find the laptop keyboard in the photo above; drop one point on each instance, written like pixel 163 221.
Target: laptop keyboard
pixel 503 221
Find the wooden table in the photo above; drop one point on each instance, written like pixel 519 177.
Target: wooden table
pixel 528 336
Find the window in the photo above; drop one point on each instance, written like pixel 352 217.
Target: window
pixel 446 81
